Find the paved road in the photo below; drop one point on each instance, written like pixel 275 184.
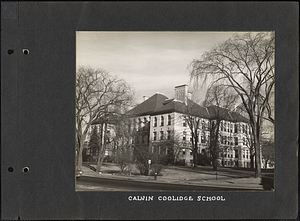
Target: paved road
pixel 106 184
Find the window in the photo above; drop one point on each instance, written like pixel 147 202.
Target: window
pixel 221 126
pixel 162 121
pixel 169 134
pixel 140 123
pixel 155 135
pixel 212 124
pixel 236 140
pixel 183 152
pixel 155 122
pixel 235 128
pixel 163 150
pixel 231 140
pixel 184 135
pixel 184 123
pixel 231 128
pixel 203 125
pixel 244 141
pixel 236 153
pixel 191 153
pixel 243 128
pixel 202 139
pixel 169 119
pixel 161 135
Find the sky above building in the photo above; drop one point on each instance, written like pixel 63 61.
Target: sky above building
pixel 149 62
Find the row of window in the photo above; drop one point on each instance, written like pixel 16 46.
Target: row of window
pixel 230 155
pixel 203 125
pixel 162 121
pixel 230 163
pixel 228 140
pixel 161 135
pixel 228 127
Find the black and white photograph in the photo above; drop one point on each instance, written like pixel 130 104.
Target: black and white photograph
pixel 145 110
pixel 175 111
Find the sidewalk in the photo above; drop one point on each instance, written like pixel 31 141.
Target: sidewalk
pixel 173 176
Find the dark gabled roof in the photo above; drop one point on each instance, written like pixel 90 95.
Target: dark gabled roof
pixel 178 106
pixel 160 104
pixel 148 106
pixel 225 114
pixel 238 117
pixel 111 119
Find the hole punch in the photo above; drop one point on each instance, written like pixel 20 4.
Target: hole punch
pixel 25 169
pixel 10 51
pixel 25 51
pixel 10 169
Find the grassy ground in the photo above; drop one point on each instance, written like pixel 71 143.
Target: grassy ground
pixel 202 175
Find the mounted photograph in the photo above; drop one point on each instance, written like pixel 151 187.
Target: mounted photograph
pixel 175 111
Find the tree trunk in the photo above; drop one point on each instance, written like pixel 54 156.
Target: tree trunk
pixel 257 155
pixel 195 158
pixel 102 149
pixel 215 164
pixel 79 163
pixel 252 161
pixel 81 144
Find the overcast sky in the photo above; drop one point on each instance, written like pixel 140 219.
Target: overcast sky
pixel 149 61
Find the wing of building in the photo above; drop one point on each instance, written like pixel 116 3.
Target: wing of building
pixel 159 119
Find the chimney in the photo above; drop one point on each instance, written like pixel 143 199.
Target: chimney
pixel 145 98
pixel 181 93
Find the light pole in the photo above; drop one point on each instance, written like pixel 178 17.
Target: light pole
pixel 149 163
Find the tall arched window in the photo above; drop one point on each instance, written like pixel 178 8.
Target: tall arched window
pixel 169 119
pixel 162 121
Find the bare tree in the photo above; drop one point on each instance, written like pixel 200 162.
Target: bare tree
pixel 124 134
pixel 97 93
pixel 190 115
pixel 244 63
pixel 218 99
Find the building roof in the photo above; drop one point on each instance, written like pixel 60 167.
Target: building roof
pixel 148 106
pixel 160 104
pixel 178 106
pixel 225 114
